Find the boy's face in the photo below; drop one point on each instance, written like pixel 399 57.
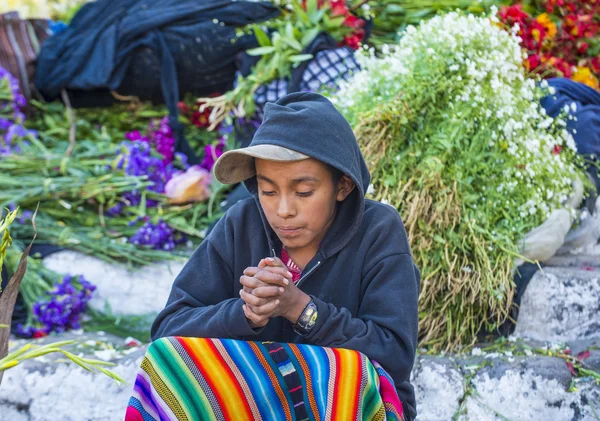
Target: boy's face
pixel 299 200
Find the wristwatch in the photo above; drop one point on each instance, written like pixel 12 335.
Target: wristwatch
pixel 307 320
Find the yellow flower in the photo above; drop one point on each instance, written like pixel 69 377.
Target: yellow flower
pixel 585 76
pixel 544 20
pixel 42 9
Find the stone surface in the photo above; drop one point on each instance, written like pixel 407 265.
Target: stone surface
pixel 522 396
pixel 582 345
pixel 503 387
pixel 593 361
pixel 439 387
pixel 549 369
pixel 590 398
pixel 561 304
pixel 49 389
pixel 128 291
pixel 579 261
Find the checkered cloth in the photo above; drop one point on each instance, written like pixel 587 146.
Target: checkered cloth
pixel 326 69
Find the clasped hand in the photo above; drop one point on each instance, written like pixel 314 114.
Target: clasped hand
pixel 268 291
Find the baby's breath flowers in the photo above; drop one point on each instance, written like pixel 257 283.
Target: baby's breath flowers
pixel 456 139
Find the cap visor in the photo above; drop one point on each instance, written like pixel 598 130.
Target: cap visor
pixel 238 165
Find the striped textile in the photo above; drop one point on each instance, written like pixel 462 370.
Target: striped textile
pixel 20 41
pixel 212 379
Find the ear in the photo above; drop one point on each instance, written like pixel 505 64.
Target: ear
pixel 344 187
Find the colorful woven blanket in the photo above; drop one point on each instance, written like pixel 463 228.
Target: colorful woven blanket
pixel 211 379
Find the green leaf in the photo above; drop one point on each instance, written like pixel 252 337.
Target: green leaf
pixel 262 38
pixel 311 7
pixel 289 31
pixel 293 43
pixel 300 58
pixel 309 36
pixel 316 17
pixel 299 11
pixel 333 23
pixel 260 51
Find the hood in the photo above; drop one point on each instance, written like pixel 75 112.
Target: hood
pixel 310 124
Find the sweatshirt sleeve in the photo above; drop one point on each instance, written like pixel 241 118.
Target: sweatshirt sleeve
pixel 387 323
pixel 202 302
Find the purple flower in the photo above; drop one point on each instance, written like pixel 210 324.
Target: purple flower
pixel 137 160
pixel 162 138
pixel 212 153
pixel 62 310
pixel 12 118
pixel 158 236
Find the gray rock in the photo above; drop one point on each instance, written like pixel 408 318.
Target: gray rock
pixel 582 345
pixel 550 368
pixel 9 412
pixel 499 367
pixel 48 389
pixel 589 409
pixel 593 361
pixel 561 304
pixel 578 261
pixel 517 395
pixel 127 291
pixel 439 387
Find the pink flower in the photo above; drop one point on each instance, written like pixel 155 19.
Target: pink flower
pixel 193 185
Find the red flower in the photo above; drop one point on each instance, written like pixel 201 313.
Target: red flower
pixel 533 62
pixel 183 108
pixel 353 22
pixel 571 368
pixel 595 63
pixel 353 41
pixel 583 355
pixel 582 47
pixel 556 150
pixel 561 66
pixel 513 14
pixel 39 334
pixel 201 119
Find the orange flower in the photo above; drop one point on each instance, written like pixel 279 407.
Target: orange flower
pixel 585 76
pixel 549 26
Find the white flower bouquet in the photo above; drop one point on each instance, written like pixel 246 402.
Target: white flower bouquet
pixel 452 129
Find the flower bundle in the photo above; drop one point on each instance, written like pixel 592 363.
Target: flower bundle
pixel 282 42
pixel 392 16
pixel 63 309
pixel 456 140
pixel 561 37
pixel 50 316
pixel 43 9
pixel 11 116
pixel 97 199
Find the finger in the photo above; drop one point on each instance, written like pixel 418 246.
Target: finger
pixel 282 270
pixel 252 282
pixel 253 300
pixel 273 262
pixel 276 276
pixel 267 309
pixel 251 271
pixel 253 317
pixel 268 292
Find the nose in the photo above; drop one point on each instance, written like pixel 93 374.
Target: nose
pixel 285 208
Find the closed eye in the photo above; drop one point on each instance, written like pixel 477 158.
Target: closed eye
pixel 305 194
pixel 268 193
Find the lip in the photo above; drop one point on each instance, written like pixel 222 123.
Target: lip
pixel 289 231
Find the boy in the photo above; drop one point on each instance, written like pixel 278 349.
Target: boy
pixel 308 259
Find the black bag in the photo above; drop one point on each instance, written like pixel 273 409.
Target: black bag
pixel 155 50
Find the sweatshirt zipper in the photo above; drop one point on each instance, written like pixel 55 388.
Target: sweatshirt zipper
pixel 308 273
